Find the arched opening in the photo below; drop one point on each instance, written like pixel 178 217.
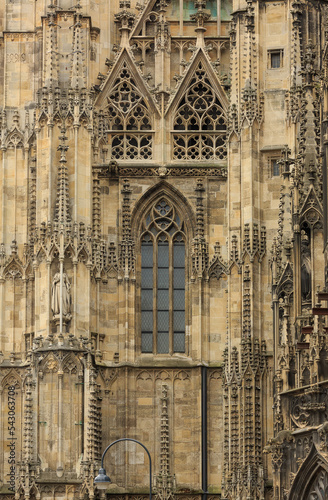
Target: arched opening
pixel 311 481
pixel 162 226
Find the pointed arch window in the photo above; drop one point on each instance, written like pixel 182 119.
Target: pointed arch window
pixel 130 131
pixel 200 124
pixel 319 487
pixel 163 274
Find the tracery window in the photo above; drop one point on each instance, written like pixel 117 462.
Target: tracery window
pixel 319 488
pixel 163 280
pixel 129 122
pixel 200 124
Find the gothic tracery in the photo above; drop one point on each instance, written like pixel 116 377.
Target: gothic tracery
pixel 200 123
pixel 129 121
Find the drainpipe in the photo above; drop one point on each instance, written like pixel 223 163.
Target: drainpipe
pixel 204 431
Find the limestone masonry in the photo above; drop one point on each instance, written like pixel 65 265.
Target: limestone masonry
pixel 163 248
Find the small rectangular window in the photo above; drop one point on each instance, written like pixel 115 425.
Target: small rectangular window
pixel 275 59
pixel 275 167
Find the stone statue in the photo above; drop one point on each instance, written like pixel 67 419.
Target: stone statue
pixel 305 267
pixel 55 295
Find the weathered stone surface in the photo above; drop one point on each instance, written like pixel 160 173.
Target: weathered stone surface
pixel 164 124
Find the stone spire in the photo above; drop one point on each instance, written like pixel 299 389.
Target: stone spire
pixel 165 463
pixel 62 214
pixel 127 255
pixel 125 19
pixel 200 247
pixel 77 70
pixel 51 60
pixel 200 17
pixel 162 40
pixel 164 482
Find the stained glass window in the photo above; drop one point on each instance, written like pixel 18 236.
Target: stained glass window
pixel 163 280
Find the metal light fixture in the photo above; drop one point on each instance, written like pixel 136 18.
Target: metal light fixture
pixel 102 481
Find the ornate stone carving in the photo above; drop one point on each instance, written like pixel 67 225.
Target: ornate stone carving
pixel 169 171
pixel 201 111
pixel 200 247
pixel 217 267
pixel 127 251
pixel 242 413
pixel 306 407
pixel 164 480
pixel 61 302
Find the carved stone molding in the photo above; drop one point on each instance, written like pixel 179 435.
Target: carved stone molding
pixel 113 170
pixel 307 408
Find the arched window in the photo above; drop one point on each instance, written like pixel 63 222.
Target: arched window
pixel 319 487
pixel 163 279
pixel 200 124
pixel 129 121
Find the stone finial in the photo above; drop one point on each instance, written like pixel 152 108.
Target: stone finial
pixel 164 481
pixel 127 251
pixel 201 16
pixel 162 40
pixel 125 19
pixel 62 203
pixel 200 247
pixel 285 162
pixel 77 70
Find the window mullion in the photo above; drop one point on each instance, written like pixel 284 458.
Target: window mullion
pixel 155 295
pixel 170 296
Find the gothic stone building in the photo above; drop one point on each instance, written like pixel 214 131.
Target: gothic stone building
pixel 163 204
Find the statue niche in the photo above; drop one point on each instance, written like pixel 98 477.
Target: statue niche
pixel 58 305
pixel 305 268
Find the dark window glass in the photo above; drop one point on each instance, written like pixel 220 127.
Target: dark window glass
pixel 163 299
pixel 275 167
pixel 147 321
pixel 275 59
pixel 163 255
pixel 147 302
pixel 178 294
pixel 163 278
pixel 147 278
pixel 163 342
pixel 147 342
pixel 163 281
pixel 179 342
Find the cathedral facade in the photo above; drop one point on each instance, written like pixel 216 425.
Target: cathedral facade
pixel 163 261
